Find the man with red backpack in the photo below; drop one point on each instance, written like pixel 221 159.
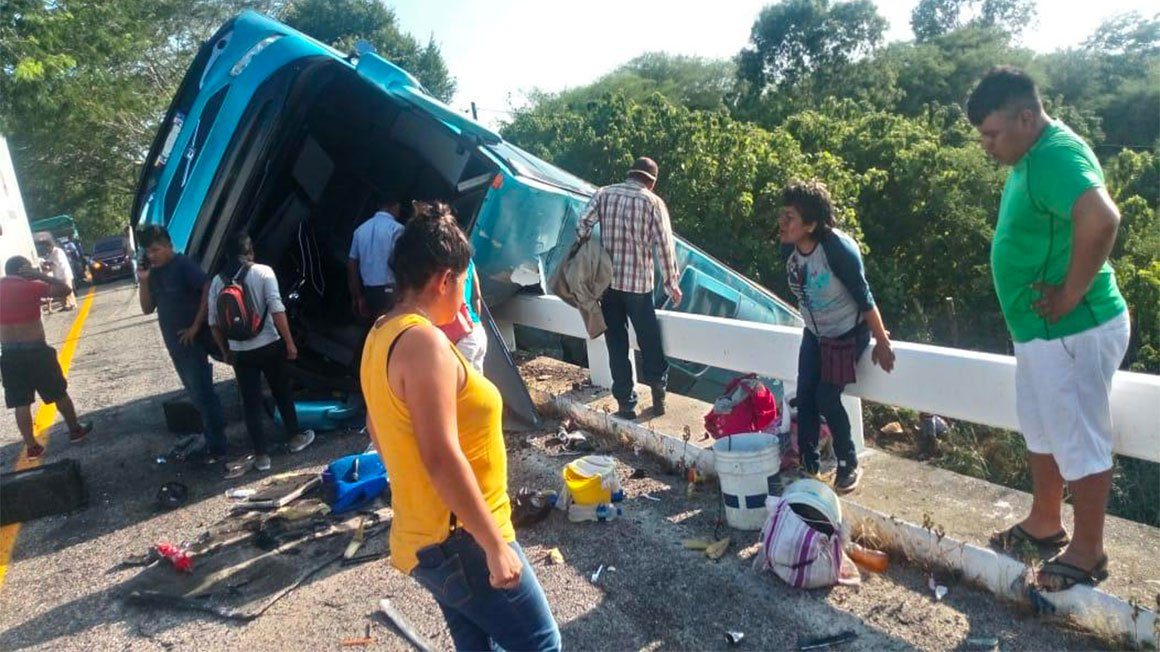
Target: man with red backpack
pixel 250 327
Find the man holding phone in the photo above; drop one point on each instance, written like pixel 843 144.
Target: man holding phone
pixel 174 287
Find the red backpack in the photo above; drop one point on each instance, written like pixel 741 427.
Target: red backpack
pixel 746 406
pixel 237 313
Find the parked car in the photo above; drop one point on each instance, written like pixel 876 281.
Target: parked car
pixel 109 260
pixel 276 133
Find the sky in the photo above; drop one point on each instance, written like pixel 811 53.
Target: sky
pixel 500 49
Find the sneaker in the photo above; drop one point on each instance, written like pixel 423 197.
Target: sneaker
pixel 85 428
pixel 301 440
pixel 848 481
pixel 262 462
pixel 658 400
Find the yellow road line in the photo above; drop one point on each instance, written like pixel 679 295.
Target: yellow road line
pixel 45 417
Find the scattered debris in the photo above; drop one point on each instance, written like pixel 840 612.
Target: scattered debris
pixel 638 474
pixel 650 497
pixel 239 467
pixel 240 494
pixel 826 641
pixel 734 637
pixel 868 559
pixel 940 590
pixel 717 550
pixel 982 643
pixel 172 495
pixel 554 557
pixel 400 623
pixel 893 429
pixel 356 541
pixel 696 544
pixel 596 575
pixel 176 556
pixel 530 507
pixel 362 559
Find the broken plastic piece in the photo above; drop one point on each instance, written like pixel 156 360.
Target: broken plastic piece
pixel 596 575
pixel 395 618
pixel 826 641
pixel 717 550
pixel 982 643
pixel 695 544
pixel 240 494
pixel 176 556
pixel 650 497
pixel 555 557
pixel 734 638
pixel 940 591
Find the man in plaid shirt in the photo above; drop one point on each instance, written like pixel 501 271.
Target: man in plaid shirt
pixel 634 221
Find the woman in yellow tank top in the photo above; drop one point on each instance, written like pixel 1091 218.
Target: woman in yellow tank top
pixel 437 423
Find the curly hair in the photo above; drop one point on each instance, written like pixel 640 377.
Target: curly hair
pixel 431 242
pixel 812 200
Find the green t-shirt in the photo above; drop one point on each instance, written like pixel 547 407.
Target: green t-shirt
pixel 1033 237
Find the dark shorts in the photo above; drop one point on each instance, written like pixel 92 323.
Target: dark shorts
pixel 380 300
pixel 30 369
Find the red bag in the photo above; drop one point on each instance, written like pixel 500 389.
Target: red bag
pixel 746 406
pixel 459 327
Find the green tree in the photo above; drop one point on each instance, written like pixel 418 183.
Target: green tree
pixel 693 82
pixel 83 84
pixel 933 18
pixel 342 23
pixel 796 39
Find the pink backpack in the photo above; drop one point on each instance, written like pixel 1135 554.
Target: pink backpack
pixel 746 406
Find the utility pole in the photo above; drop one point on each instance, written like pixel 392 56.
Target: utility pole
pixel 474 114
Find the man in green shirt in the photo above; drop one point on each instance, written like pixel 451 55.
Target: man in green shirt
pixel 1065 313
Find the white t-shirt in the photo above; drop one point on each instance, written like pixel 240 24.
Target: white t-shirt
pixel 61 267
pixel 262 287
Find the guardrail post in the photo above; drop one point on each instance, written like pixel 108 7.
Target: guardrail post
pixel 853 406
pixel 598 366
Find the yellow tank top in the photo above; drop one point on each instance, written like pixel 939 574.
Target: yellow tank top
pixel 421 518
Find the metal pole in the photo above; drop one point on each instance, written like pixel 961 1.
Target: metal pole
pixel 474 114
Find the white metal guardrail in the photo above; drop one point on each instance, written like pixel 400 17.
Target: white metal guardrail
pixel 960 384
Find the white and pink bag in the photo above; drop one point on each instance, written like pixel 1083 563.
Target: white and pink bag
pixel 797 553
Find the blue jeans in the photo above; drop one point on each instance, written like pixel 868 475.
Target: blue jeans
pixel 193 367
pixel 816 399
pixel 481 617
pixel 618 308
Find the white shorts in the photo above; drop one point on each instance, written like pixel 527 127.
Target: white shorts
pixel 473 346
pixel 1063 393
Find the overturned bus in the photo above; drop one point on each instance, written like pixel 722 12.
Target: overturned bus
pixel 274 132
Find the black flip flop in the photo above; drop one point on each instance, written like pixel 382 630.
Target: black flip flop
pixel 1069 574
pixel 1016 540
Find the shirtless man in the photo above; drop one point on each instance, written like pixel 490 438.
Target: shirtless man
pixel 28 365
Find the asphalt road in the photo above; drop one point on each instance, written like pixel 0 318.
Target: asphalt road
pixel 59 593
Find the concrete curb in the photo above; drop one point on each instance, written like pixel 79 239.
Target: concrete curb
pixel 1001 575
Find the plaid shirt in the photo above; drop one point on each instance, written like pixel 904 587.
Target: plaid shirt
pixel 633 222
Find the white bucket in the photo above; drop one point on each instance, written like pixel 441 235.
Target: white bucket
pixel 747 465
pixel 817 495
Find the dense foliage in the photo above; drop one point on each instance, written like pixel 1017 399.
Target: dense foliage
pixel 84 83
pixel 816 94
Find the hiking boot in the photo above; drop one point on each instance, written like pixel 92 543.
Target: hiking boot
pixel 301 440
pixel 262 462
pixel 847 479
pixel 78 435
pixel 626 413
pixel 658 401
